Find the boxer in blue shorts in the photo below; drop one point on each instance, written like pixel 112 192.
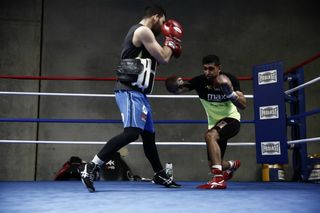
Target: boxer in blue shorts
pixel 135 110
pixel 141 53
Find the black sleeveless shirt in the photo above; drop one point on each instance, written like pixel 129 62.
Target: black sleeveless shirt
pixel 131 51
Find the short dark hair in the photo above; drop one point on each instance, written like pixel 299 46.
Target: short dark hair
pixel 154 9
pixel 211 59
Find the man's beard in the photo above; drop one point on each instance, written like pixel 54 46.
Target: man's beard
pixel 156 29
pixel 210 78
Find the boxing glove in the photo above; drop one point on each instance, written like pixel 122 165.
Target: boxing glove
pixel 174 45
pixel 226 87
pixel 173 84
pixel 173 29
pixel 173 32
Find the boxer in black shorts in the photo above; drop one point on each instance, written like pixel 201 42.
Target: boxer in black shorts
pixel 221 96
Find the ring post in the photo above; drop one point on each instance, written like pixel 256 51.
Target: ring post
pixel 298 127
pixel 269 113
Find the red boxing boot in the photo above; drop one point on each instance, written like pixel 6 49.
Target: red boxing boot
pixel 217 182
pixel 228 174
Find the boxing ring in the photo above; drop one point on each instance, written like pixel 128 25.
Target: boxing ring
pixel 137 197
pixel 47 196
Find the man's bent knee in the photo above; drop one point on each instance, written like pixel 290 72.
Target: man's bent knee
pixel 211 135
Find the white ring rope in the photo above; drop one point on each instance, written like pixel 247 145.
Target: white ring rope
pixel 96 95
pixel 150 96
pixel 307 140
pixel 302 85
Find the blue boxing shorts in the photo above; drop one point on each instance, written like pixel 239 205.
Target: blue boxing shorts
pixel 135 109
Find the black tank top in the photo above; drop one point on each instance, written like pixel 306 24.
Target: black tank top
pixel 131 51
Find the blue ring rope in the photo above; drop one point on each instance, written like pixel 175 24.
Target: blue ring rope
pixel 49 120
pixel 305 114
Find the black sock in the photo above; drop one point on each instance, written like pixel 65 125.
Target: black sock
pixel 150 150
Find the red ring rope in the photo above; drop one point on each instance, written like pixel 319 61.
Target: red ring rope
pixel 68 78
pixel 308 61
